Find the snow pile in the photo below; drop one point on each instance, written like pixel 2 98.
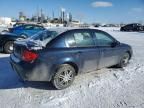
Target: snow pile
pixel 105 88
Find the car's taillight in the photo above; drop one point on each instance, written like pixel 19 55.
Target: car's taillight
pixel 29 56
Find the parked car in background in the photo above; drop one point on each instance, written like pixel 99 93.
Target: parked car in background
pixel 7 29
pixel 18 24
pixel 132 27
pixel 7 41
pixel 19 32
pixel 26 30
pixel 59 55
pixel 109 25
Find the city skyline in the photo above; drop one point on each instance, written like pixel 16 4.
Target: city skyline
pixel 103 11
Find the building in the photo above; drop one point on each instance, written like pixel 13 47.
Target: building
pixel 22 17
pixel 5 20
pixel 63 14
pixel 69 17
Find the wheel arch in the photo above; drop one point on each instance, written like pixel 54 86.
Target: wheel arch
pixel 56 66
pixel 74 65
pixel 130 54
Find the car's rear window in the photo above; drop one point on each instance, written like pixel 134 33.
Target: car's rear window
pixel 45 36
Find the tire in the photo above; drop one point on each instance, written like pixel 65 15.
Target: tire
pixel 124 60
pixel 64 76
pixel 8 47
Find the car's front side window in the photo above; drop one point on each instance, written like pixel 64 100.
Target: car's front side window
pixel 81 39
pixel 103 39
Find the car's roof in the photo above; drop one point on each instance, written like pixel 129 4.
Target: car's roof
pixel 20 23
pixel 64 29
pixel 31 25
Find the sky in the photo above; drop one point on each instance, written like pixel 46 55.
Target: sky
pixel 98 11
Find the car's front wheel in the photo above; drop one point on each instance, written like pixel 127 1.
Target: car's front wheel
pixel 124 60
pixel 8 47
pixel 64 76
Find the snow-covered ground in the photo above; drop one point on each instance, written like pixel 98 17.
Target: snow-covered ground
pixel 106 88
pixel 108 28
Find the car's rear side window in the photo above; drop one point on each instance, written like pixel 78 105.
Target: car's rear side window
pixel 80 39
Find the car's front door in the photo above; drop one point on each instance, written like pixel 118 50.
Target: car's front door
pixel 84 49
pixel 109 54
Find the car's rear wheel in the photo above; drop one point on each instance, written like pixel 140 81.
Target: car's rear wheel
pixel 124 60
pixel 64 76
pixel 8 47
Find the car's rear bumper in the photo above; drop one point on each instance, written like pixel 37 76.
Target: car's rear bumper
pixel 15 64
pixel 28 71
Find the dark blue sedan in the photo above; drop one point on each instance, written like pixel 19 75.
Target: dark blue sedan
pixel 58 55
pixel 26 30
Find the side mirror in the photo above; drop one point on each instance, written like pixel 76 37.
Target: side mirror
pixel 114 44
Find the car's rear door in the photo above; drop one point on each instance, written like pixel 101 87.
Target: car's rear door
pixel 109 55
pixel 84 49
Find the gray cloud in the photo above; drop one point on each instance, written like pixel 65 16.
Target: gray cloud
pixel 101 4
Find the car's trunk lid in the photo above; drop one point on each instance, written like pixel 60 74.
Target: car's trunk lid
pixel 21 45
